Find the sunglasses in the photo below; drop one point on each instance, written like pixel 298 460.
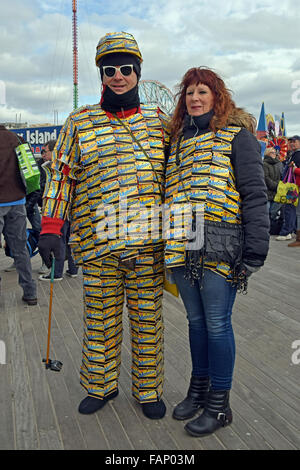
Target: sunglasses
pixel 110 71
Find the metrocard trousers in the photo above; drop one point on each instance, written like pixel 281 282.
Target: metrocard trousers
pixel 105 283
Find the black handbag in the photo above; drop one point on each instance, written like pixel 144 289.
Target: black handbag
pixel 222 243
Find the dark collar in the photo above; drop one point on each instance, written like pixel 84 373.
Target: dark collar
pixel 113 103
pixel 196 125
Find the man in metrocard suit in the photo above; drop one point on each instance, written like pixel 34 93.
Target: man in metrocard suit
pixel 109 155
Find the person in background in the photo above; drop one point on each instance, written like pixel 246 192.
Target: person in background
pixel 65 232
pixel 295 164
pixel 272 170
pixel 13 213
pixel 288 210
pixel 33 215
pixel 215 171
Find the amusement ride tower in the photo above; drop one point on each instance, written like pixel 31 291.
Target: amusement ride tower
pixel 75 55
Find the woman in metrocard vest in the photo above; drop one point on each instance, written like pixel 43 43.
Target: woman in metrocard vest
pixel 107 155
pixel 218 234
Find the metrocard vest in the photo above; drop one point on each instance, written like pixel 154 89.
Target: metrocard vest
pixel 204 178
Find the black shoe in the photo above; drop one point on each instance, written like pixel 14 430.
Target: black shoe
pixel 154 410
pixel 195 399
pixel 216 414
pixel 68 273
pixel 90 405
pixel 29 301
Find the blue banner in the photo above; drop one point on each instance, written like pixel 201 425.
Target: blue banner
pixel 38 136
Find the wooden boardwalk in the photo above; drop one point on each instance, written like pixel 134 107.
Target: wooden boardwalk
pixel 38 407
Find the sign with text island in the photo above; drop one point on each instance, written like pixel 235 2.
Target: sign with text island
pixel 38 136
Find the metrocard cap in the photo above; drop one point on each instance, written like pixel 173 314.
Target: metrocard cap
pixel 113 43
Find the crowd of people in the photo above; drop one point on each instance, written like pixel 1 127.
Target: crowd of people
pixel 17 209
pixel 205 157
pixel 284 216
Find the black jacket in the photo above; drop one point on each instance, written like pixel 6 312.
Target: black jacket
pixel 272 170
pixel 296 158
pixel 250 183
pixel 11 184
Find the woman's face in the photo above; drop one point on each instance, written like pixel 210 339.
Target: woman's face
pixel 198 99
pixel 272 153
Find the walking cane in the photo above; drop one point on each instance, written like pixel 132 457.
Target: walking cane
pixel 51 364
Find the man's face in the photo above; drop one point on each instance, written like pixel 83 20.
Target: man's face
pixel 123 78
pixel 46 153
pixel 295 145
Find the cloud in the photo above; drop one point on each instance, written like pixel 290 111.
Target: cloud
pixel 252 45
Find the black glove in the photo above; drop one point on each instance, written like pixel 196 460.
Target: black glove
pixel 48 244
pixel 247 270
pixel 242 274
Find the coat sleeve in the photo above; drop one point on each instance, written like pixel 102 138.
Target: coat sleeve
pixel 297 171
pixel 64 169
pixel 250 183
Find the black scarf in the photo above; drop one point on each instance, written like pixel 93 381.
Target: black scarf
pixel 113 102
pixel 196 125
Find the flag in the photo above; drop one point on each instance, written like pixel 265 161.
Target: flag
pixel 282 128
pixel 271 125
pixel 261 131
pixel 277 125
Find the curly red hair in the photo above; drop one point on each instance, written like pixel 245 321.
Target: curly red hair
pixel 223 103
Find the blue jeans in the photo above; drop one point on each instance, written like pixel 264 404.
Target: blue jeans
pixel 298 216
pixel 34 218
pixel 211 337
pixel 289 219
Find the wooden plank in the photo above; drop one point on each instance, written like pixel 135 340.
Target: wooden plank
pixel 262 426
pixel 49 436
pixel 7 438
pixel 66 419
pixel 278 393
pixel 281 416
pixel 26 433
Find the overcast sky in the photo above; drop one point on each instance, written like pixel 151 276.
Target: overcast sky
pixel 253 44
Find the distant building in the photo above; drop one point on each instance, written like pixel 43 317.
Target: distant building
pixel 15 125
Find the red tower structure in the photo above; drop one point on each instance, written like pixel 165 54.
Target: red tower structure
pixel 75 55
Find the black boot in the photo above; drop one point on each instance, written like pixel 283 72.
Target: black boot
pixel 217 413
pixel 154 410
pixel 90 405
pixel 195 399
